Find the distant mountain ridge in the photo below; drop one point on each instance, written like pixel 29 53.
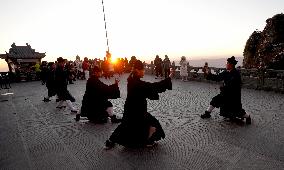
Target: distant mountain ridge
pixel 219 62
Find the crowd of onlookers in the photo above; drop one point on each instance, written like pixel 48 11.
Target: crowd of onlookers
pixel 81 69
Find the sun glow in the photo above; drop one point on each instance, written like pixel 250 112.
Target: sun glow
pixel 113 60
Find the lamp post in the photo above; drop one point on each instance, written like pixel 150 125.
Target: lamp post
pixel 105 26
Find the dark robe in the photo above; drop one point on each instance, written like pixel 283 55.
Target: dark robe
pixel 229 99
pixel 50 82
pixel 136 121
pixel 61 85
pixel 95 100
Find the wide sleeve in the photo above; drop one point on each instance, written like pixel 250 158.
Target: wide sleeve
pixel 112 91
pixel 108 91
pixel 152 90
pixel 97 88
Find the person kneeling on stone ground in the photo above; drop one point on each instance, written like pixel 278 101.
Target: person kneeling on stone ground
pixel 63 94
pixel 95 104
pixel 139 128
pixel 229 99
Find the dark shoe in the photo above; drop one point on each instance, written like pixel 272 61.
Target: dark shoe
pixel 114 119
pixel 57 100
pixel 248 120
pixel 73 111
pixel 77 118
pixel 206 115
pixel 151 144
pixel 46 99
pixel 98 121
pixel 109 144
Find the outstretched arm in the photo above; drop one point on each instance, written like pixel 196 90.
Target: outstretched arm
pixel 112 91
pixel 152 90
pixel 214 77
pixel 101 89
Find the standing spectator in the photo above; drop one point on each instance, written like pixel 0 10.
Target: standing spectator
pixel 110 68
pixel 205 68
pixel 126 66
pixel 131 62
pixel 166 66
pixel 37 70
pixel 183 69
pixel 50 81
pixel 158 66
pixel 78 67
pixel 173 65
pixel 85 67
pixel 70 72
pixel 43 73
pixel 261 74
pixel 104 67
pixel 152 67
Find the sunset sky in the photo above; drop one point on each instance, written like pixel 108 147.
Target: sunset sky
pixel 193 28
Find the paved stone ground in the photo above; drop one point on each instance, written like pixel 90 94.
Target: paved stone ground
pixel 36 135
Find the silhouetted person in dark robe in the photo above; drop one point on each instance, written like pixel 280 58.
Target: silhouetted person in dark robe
pixel 95 104
pixel 229 99
pixel 139 128
pixel 50 81
pixel 43 73
pixel 63 94
pixel 166 66
pixel 158 62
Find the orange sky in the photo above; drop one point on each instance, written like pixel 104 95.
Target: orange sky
pixel 144 28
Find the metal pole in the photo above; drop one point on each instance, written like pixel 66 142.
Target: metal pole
pixel 105 25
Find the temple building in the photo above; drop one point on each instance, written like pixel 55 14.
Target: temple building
pixel 21 57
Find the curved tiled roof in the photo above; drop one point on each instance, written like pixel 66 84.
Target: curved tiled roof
pixel 24 52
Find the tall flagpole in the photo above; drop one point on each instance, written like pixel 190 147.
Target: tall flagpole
pixel 105 25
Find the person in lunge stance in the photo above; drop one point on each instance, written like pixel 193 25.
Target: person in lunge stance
pixel 139 128
pixel 95 104
pixel 63 94
pixel 229 99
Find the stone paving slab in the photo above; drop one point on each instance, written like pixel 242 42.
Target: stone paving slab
pixel 36 135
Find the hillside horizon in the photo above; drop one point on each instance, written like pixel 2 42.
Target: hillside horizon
pixel 216 62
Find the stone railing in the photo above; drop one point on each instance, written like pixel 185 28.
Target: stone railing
pixel 269 80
